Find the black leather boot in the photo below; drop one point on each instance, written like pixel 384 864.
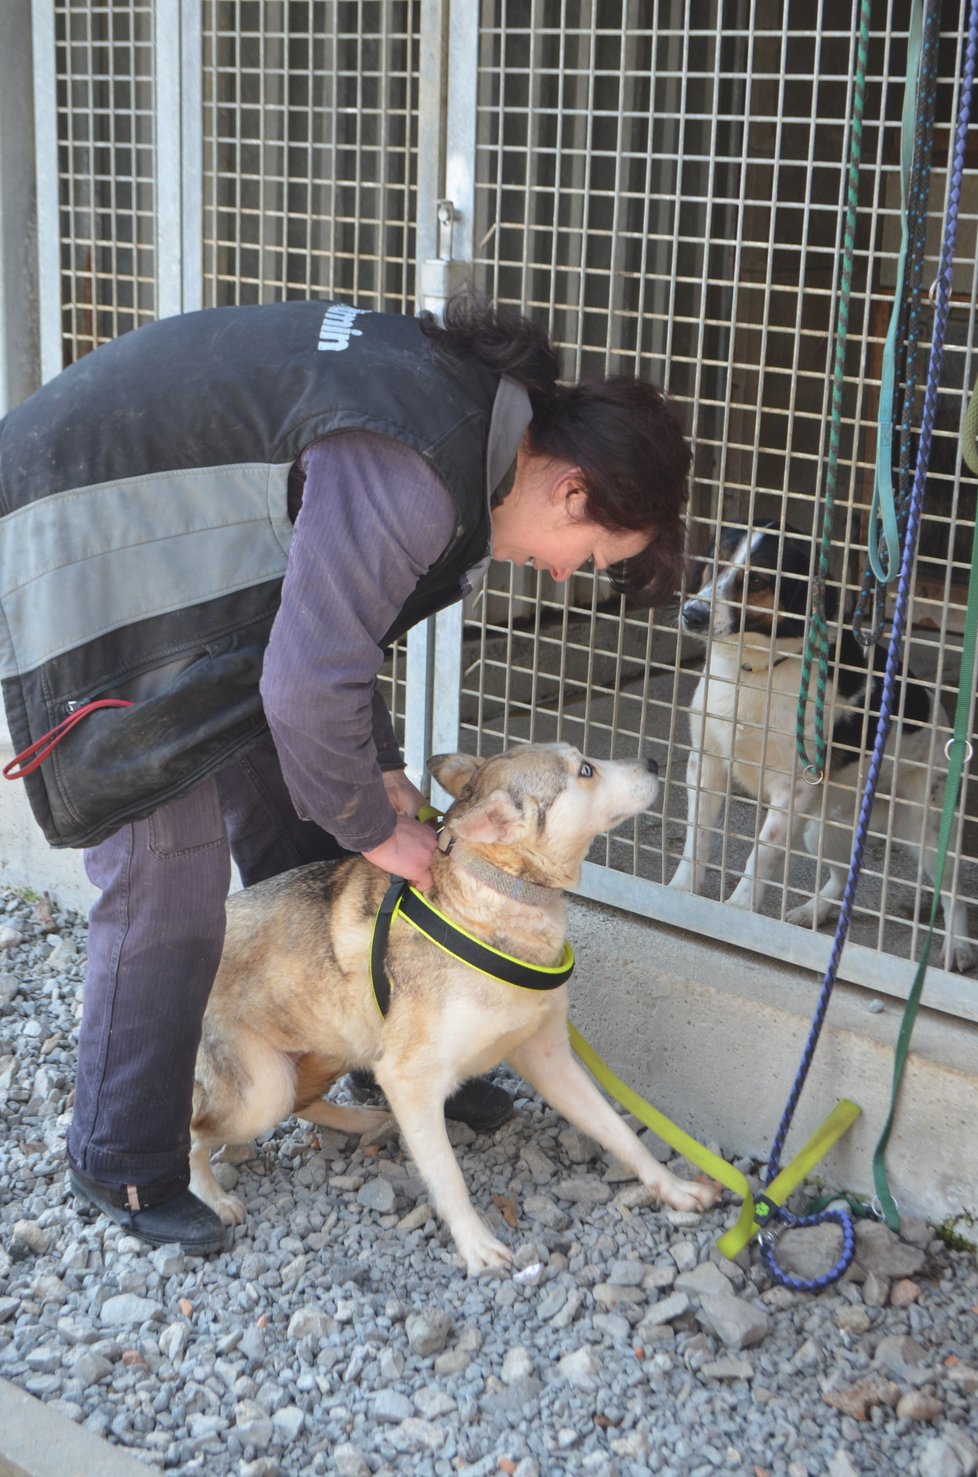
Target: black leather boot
pixel 177 1215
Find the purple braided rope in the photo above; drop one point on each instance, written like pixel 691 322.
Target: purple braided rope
pixel 903 590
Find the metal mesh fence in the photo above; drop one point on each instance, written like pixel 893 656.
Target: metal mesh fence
pixel 310 151
pixel 664 186
pixel 106 170
pixel 310 161
pixel 667 193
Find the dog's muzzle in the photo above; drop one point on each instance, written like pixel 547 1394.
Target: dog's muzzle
pixel 696 615
pixel 652 767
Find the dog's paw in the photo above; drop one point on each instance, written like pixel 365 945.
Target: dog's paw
pixel 482 1253
pixel 370 1121
pixel 806 913
pixel 962 957
pixel 230 1209
pixel 683 879
pixel 687 1194
pixel 741 897
pixel 345 1119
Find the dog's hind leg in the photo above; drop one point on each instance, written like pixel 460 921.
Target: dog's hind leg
pixel 344 1119
pixel 958 952
pixel 546 1061
pixel 205 1186
pixel 314 1074
pixel 239 1093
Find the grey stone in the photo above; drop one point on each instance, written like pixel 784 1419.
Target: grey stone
pixel 728 1368
pixel 880 1250
pixel 939 1458
pixel 310 1323
pixel 89 1367
pixel 668 1309
pixel 517 1366
pixel 432 1402
pixel 349 1461
pixel 391 1407
pixel 627 1273
pixel 288 1422
pixel 126 1309
pixel 378 1194
pixel 583 1191
pixel 253 1424
pixel 428 1332
pixel 902 1355
pixel 701 1281
pixel 581 1368
pixel 738 1323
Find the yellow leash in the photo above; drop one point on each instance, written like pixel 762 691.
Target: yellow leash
pixel 754 1214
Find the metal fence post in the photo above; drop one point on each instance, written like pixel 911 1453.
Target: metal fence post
pixel 46 175
pixel 19 353
pixel 446 191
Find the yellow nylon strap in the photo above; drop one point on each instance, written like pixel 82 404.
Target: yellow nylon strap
pixel 841 1118
pixel 747 1225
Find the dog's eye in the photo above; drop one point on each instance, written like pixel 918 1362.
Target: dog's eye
pixel 585 771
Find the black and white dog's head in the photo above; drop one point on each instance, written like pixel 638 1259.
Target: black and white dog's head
pixel 752 583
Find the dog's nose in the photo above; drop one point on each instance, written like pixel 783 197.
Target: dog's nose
pixel 696 615
pixel 652 766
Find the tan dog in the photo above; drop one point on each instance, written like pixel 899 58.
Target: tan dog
pixel 293 1009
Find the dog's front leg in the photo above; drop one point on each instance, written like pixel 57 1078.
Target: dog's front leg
pixel 705 784
pixel 546 1061
pixel 418 1105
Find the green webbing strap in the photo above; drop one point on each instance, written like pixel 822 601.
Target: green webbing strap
pixel 882 511
pixel 752 1217
pixel 958 750
pixel 818 632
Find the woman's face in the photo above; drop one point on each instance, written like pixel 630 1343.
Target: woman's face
pixel 541 522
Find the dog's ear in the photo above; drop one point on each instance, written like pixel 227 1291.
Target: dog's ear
pixel 494 820
pixel 453 771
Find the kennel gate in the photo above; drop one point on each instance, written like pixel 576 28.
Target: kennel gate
pixel 664 185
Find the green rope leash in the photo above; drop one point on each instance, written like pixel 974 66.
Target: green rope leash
pixel 917 127
pixel 969 433
pixel 817 637
pixel 959 751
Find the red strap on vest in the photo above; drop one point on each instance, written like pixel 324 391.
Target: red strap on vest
pixel 35 754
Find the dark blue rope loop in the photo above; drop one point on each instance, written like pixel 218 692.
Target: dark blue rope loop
pixel 777 1273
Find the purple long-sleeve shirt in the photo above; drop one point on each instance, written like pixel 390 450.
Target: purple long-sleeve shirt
pixel 374 518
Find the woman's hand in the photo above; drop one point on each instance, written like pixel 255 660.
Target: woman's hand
pixel 408 852
pixel 405 798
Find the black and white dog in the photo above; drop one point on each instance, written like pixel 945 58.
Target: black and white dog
pixel 751 605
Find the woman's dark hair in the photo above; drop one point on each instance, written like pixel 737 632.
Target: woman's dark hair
pixel 624 434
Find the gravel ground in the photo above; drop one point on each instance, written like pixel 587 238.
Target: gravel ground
pixel 339 1333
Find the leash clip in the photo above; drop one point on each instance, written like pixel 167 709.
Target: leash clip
pixel 765 1209
pixel 968 749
